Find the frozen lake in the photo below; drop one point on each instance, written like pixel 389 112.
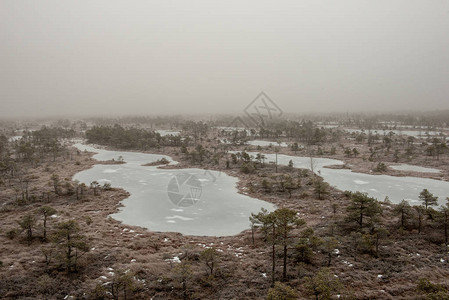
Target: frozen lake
pixel 233 129
pixel 260 143
pixel 198 202
pixel 406 167
pixel 414 133
pixel 377 186
pixel 190 201
pixel 263 143
pixel 15 138
pixel 164 132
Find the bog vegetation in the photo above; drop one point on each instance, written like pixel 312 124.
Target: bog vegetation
pixel 320 243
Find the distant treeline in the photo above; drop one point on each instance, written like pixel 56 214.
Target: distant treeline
pixel 34 147
pixel 129 138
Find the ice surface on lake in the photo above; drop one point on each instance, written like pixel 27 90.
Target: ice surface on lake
pixel 15 138
pixel 360 181
pixel 164 132
pixel 220 211
pixel 406 167
pixel 265 143
pixel 414 133
pixel 378 186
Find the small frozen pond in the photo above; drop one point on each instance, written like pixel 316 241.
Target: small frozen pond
pixel 15 138
pixel 266 143
pixel 414 133
pixel 233 129
pixel 189 201
pixel 406 167
pixel 225 128
pixel 164 132
pixel 377 186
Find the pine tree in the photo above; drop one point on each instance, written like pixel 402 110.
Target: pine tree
pixel 427 198
pixel 363 210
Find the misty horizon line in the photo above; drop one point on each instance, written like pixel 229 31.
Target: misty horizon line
pixel 209 116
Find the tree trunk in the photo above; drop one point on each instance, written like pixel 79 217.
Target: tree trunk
pixel 276 162
pixel 419 223
pixel 29 234
pixel 284 274
pixel 445 228
pixel 273 257
pixel 184 289
pixel 252 234
pixel 361 220
pixel 377 243
pixel 402 218
pixel 69 253
pixel 45 227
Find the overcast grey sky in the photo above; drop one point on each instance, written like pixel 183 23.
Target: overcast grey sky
pixel 152 57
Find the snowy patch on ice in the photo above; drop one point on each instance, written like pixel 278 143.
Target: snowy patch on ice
pixel 179 217
pixel 177 209
pixel 357 181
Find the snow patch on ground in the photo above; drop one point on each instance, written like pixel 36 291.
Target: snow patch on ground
pixel 175 259
pixel 348 263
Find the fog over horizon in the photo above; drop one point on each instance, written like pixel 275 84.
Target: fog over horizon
pixel 84 58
